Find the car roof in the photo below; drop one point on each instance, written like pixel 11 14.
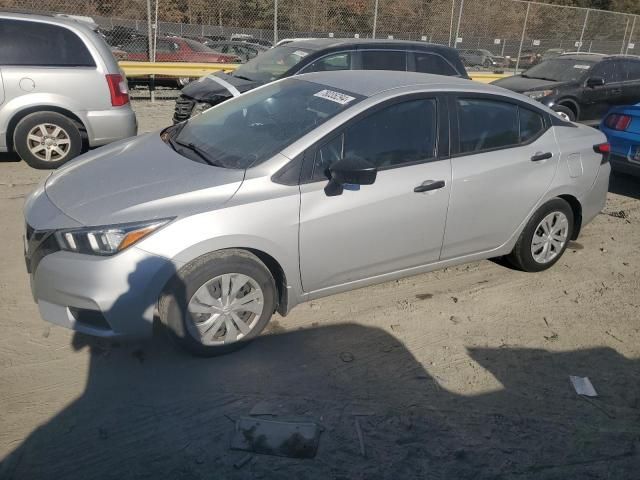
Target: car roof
pixel 73 23
pixel 595 57
pixel 322 43
pixel 373 82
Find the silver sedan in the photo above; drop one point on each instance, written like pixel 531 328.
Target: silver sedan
pixel 300 189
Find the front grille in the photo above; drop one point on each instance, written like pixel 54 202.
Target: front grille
pixel 183 109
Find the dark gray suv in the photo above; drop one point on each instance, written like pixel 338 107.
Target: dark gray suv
pixel 317 55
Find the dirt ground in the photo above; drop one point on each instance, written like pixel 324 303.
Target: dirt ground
pixel 461 373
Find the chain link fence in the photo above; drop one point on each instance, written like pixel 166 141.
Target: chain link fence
pixel 516 33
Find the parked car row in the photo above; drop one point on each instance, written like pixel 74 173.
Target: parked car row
pixel 61 123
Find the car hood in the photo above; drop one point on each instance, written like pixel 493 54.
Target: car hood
pixel 141 178
pixel 521 84
pixel 208 89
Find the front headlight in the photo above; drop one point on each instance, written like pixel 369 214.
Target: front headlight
pixel 106 240
pixel 200 107
pixel 535 95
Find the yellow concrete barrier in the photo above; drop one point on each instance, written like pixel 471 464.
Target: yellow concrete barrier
pixel 173 69
pixel 195 70
pixel 487 77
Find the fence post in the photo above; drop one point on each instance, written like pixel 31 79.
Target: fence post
pixel 524 30
pixel 504 43
pixel 152 92
pixel 275 21
pixel 375 20
pixel 453 6
pixel 455 40
pixel 624 37
pixel 633 26
pixel 584 26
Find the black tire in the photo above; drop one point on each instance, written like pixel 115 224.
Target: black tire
pixel 487 63
pixel 521 256
pixel 566 111
pixel 21 141
pixel 173 303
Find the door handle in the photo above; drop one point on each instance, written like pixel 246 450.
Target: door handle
pixel 429 185
pixel 541 156
pixel 616 91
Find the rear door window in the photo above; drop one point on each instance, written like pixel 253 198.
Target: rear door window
pixel 384 60
pixel 432 63
pixel 486 125
pixel 42 45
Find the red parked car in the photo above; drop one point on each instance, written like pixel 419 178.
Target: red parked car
pixel 175 49
pixel 170 49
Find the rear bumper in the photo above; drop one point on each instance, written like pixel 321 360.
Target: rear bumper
pixel 622 164
pixel 595 199
pixel 106 126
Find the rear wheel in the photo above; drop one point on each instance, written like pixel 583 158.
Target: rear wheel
pixel 219 302
pixel 46 140
pixel 545 238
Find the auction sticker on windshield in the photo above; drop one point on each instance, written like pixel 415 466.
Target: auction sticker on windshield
pixel 337 97
pixel 582 67
pixel 300 53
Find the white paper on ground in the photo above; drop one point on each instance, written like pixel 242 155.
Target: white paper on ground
pixel 583 386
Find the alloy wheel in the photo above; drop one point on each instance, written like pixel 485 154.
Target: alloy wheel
pixel 48 142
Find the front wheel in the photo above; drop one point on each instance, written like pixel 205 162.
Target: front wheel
pixel 565 112
pixel 219 302
pixel 545 238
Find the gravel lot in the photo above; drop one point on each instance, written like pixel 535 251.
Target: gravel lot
pixel 461 373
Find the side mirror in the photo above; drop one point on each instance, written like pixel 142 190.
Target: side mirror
pixel 354 171
pixel 593 82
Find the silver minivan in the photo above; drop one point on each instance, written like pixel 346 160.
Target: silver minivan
pixel 61 90
pixel 302 188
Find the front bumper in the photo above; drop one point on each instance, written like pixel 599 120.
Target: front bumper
pixel 102 296
pixel 106 126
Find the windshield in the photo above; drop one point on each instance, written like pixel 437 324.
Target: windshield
pixel 197 46
pixel 559 69
pixel 253 127
pixel 271 64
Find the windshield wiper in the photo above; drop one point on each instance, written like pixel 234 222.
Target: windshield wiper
pixel 242 77
pixel 195 149
pixel 541 78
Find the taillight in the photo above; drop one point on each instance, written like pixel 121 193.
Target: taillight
pixel 617 121
pixel 602 148
pixel 118 89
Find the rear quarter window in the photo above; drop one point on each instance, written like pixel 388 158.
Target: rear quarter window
pixel 25 43
pixel 433 63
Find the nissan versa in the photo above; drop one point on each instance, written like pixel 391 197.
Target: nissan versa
pixel 301 188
